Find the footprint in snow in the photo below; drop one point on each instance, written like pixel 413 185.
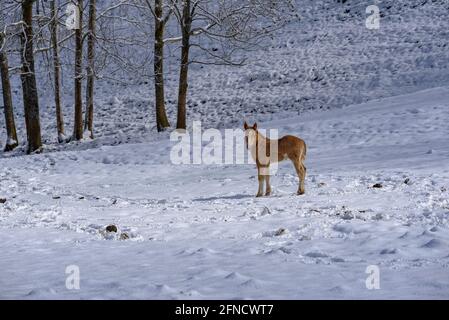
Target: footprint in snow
pixel 281 250
pixel 337 290
pixel 433 243
pixel 251 283
pixel 316 254
pixel 164 289
pixel 41 292
pixel 337 259
pixel 276 233
pixel 405 235
pixel 389 251
pixel 236 276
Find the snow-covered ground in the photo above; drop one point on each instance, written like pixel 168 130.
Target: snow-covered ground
pixel 373 107
pixel 198 232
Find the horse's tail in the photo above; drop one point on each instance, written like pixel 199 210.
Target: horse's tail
pixel 304 153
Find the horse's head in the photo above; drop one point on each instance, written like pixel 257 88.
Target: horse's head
pixel 250 134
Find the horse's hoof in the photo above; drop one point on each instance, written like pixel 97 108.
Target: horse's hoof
pixel 268 194
pixel 300 193
pixel 259 195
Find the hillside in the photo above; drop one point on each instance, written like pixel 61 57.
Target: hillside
pixel 326 60
pixel 198 232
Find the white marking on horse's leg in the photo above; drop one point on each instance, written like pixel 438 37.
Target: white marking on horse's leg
pixel 268 186
pixel 260 191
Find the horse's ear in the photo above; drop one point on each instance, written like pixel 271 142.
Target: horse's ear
pixel 255 126
pixel 245 126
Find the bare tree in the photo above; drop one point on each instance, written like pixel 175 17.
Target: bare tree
pixel 160 21
pixel 78 121
pixel 28 77
pixel 186 29
pixel 91 38
pixel 57 71
pixel 11 141
pixel 229 24
pixel 209 31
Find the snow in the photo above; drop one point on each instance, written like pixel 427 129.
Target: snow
pixel 198 232
pixel 10 141
pixel 372 106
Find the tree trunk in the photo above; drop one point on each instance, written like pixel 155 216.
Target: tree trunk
pixel 78 123
pixel 29 87
pixel 57 72
pixel 88 125
pixel 183 75
pixel 12 140
pixel 161 115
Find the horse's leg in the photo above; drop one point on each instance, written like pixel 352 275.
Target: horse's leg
pixel 261 178
pixel 302 188
pixel 301 172
pixel 268 188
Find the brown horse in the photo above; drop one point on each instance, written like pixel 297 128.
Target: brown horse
pixel 266 151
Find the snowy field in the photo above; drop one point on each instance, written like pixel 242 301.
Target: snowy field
pixel 373 108
pixel 198 232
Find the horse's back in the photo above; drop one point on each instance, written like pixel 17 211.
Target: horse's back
pixel 292 146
